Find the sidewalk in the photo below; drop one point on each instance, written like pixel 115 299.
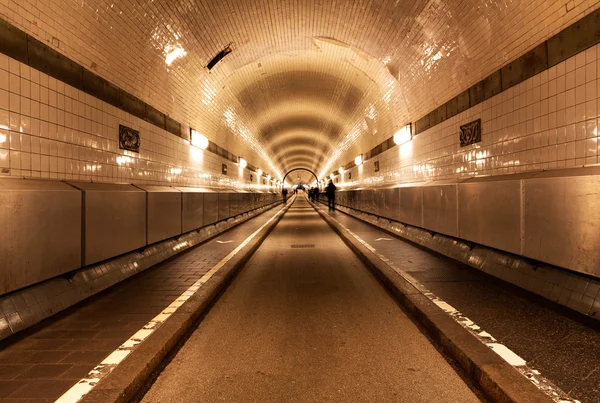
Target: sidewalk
pixel 45 361
pixel 558 348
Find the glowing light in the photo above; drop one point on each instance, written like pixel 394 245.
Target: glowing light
pixel 358 160
pixel 199 140
pixel 331 176
pixel 242 163
pixel 341 170
pixel 123 159
pixel 173 52
pixel 196 154
pixel 2 138
pixel 268 177
pixel 403 135
pixel 406 150
pixel 259 171
pixel 176 171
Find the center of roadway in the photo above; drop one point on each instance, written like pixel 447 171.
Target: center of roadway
pixel 307 323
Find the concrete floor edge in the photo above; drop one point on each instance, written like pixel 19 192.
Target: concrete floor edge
pixel 132 375
pixel 498 380
pixel 516 270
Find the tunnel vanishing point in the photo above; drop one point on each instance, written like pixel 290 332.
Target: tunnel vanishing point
pixel 438 241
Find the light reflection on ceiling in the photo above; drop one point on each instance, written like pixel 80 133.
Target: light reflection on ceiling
pixel 313 83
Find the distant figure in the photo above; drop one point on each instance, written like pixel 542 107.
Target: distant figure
pixel 295 190
pixel 284 193
pixel 316 195
pixel 330 193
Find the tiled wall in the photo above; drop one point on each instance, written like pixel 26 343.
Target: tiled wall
pixel 419 53
pixel 49 129
pixel 548 121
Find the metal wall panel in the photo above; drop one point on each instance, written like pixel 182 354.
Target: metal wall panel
pixel 164 212
pixel 243 202
pixel 211 208
pixel 561 221
pixel 367 200
pixel 411 205
pixel 440 209
pixel 224 206
pixel 489 213
pixel 114 220
pixel 192 208
pixel 378 204
pixel 342 198
pixel 234 200
pixel 354 198
pixel 391 207
pixel 40 231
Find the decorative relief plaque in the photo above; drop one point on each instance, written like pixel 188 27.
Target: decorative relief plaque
pixel 224 169
pixel 470 133
pixel 129 139
pixel 376 166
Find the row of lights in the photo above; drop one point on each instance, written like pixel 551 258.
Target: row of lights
pixel 201 141
pixel 404 135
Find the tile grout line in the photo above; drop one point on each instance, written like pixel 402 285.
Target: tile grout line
pixel 534 376
pixel 86 384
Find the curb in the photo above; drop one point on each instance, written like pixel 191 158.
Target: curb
pixel 497 379
pixel 130 377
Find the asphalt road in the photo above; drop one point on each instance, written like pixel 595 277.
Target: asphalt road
pixel 305 321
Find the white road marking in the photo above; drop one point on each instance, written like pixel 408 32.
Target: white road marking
pixel 508 355
pixel 85 385
pixel 224 241
pixel 382 239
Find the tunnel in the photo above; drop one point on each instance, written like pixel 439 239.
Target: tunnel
pixel 299 201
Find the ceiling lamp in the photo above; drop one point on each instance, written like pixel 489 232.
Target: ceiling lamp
pixel 227 50
pixel 341 170
pixel 242 162
pixel 358 160
pixel 259 171
pixel 199 140
pixel 403 135
pixel 331 176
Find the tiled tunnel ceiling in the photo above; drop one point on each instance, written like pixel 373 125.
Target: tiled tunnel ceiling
pixel 301 178
pixel 309 82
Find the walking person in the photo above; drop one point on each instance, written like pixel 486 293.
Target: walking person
pixel 330 193
pixel 284 192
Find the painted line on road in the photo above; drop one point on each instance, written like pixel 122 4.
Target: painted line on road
pixel 86 384
pixel 542 383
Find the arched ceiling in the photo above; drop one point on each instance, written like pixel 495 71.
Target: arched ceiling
pixel 300 177
pixel 309 83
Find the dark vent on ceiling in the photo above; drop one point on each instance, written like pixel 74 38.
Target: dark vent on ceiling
pixel 219 56
pixel 304 245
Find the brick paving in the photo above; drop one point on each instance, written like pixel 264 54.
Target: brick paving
pixel 561 344
pixel 40 364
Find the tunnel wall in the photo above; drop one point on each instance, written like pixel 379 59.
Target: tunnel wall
pixel 50 129
pixel 537 230
pixel 50 228
pixel 546 121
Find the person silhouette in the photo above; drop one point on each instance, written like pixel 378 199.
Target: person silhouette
pixel 330 193
pixel 284 192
